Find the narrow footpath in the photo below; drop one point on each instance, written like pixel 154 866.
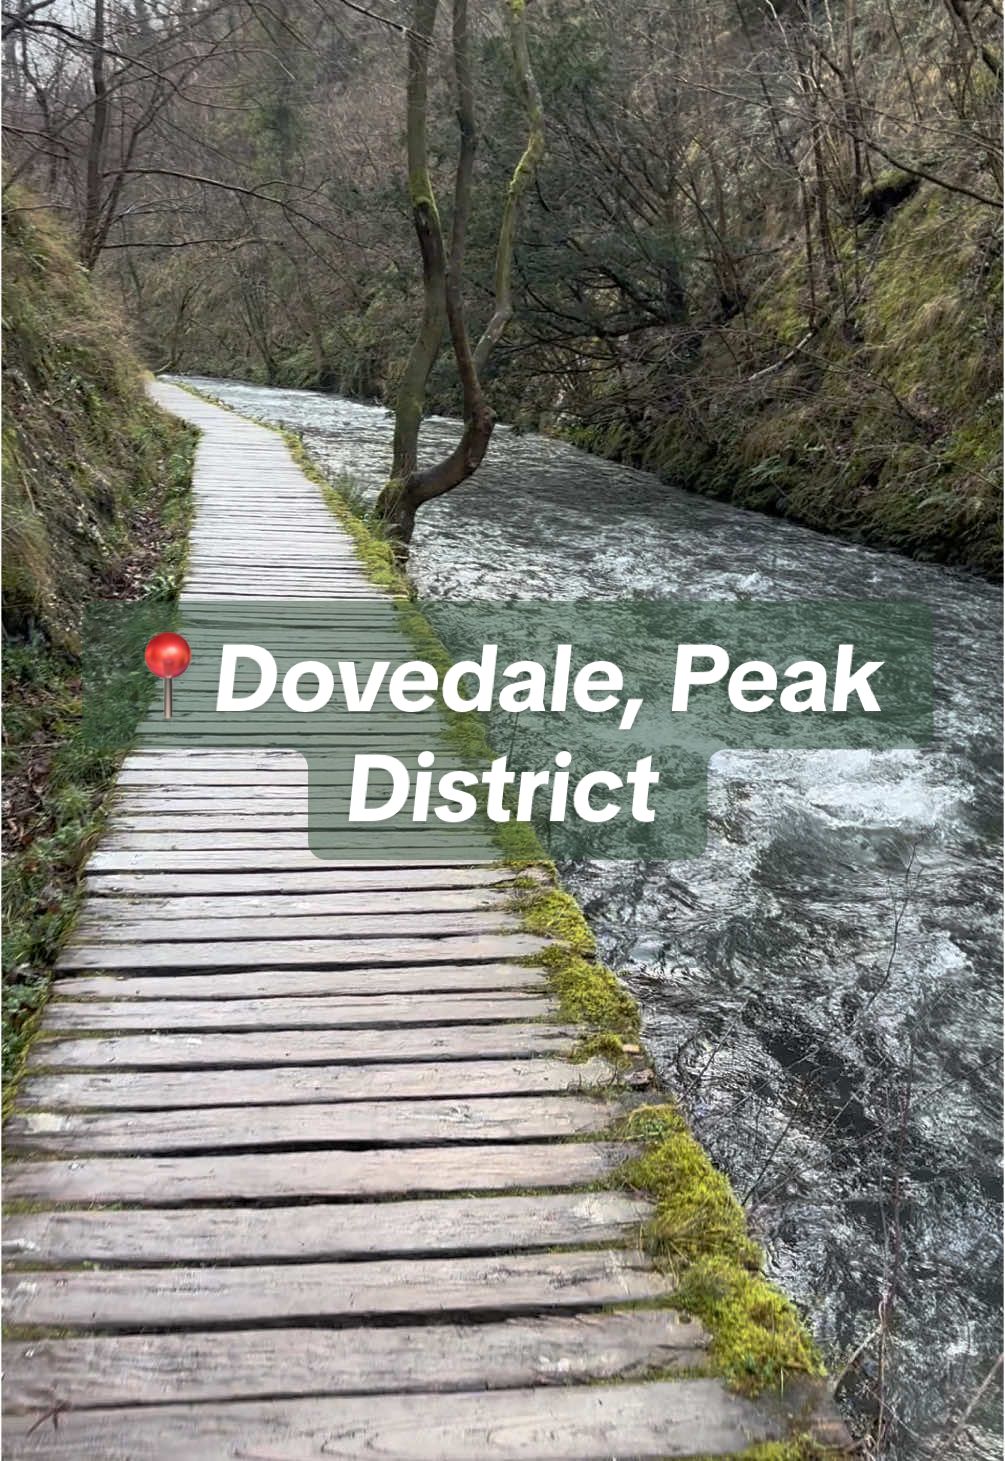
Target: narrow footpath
pixel 300 1167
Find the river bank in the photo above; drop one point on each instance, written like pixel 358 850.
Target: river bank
pixel 880 421
pixel 834 948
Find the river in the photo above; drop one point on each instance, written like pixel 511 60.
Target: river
pixel 822 987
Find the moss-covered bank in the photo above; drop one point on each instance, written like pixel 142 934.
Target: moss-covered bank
pixel 881 422
pixel 96 505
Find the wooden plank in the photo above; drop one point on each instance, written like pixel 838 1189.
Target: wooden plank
pixel 166 1090
pixel 647 1422
pixel 277 859
pixel 323 1231
pixel 291 905
pixel 336 732
pixel 98 927
pixel 315 880
pixel 299 1047
pixel 167 804
pixel 327 1293
pixel 558 1349
pixel 378 1011
pixel 172 781
pixel 335 952
pixel 275 1176
pixel 192 759
pixel 398 843
pixel 354 1123
pixel 193 596
pixel 229 821
pixel 196 757
pixel 268 983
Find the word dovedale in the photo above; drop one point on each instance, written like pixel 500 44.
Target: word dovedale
pixel 384 787
pixel 527 685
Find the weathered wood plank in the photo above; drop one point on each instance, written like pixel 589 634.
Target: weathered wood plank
pixel 299 1047
pixel 347 904
pixel 278 859
pixel 166 1090
pixel 98 927
pixel 335 1012
pixel 168 806
pixel 315 880
pixel 156 1369
pixel 268 983
pixel 345 1230
pixel 353 1123
pixel 647 1422
pixel 227 594
pixel 231 823
pixel 175 1297
pixel 259 952
pixel 394 840
pixel 175 1181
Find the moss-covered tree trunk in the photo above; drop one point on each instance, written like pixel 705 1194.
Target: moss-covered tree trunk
pixel 443 272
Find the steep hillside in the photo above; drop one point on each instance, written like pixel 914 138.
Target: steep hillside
pixel 95 493
pixel 881 421
pixel 84 453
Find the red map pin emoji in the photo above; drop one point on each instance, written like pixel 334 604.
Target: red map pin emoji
pixel 167 656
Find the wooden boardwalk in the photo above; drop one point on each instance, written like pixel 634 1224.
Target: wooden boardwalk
pixel 297 1168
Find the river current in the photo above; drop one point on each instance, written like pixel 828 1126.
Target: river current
pixel 821 988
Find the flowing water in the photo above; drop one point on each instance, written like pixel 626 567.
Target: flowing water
pixel 821 987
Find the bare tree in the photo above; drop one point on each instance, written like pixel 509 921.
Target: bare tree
pixel 443 270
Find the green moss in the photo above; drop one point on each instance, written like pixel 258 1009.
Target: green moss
pixel 757 1336
pixel 605 1046
pixel 555 914
pixel 700 1232
pixel 798 1448
pixel 420 190
pixel 589 994
pixel 696 1210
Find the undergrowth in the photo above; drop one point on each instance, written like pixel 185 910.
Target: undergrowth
pixel 882 424
pixel 96 506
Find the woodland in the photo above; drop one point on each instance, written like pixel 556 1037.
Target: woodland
pixel 751 246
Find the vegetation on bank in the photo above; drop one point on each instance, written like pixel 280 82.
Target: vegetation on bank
pixel 882 422
pixel 96 506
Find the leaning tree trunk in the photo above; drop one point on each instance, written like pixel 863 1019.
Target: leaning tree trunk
pixel 90 233
pixel 443 274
